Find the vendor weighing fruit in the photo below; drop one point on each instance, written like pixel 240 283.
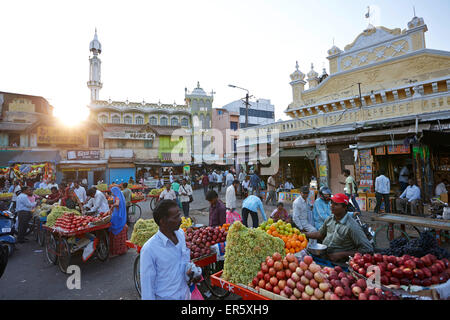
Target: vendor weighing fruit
pixel 340 232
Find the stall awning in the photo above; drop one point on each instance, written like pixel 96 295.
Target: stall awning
pixel 6 155
pixel 368 145
pixel 436 138
pixel 395 131
pixel 309 153
pixel 82 162
pixel 36 157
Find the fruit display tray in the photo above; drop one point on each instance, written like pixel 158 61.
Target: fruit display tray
pixel 246 293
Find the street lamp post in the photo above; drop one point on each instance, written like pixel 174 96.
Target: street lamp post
pixel 247 104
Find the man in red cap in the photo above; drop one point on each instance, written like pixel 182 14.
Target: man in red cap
pixel 342 235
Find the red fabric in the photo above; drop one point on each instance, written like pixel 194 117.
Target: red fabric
pixel 340 198
pixel 117 243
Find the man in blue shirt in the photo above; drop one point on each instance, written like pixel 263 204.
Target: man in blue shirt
pixel 250 205
pixel 322 207
pixel 165 260
pixel 24 212
pixel 411 196
pixel 255 183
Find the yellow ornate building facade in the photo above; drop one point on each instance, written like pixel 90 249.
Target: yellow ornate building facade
pixel 385 89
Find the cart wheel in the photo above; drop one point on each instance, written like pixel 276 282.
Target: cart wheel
pixel 64 258
pixel 216 291
pixel 102 246
pixel 36 227
pixel 10 247
pixel 134 213
pixel 41 236
pixel 152 204
pixel 137 274
pixel 51 248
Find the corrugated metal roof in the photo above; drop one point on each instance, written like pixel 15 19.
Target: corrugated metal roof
pixel 6 155
pixel 36 157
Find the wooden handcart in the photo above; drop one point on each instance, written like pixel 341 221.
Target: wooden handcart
pixel 58 248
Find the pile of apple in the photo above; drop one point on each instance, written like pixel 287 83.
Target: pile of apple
pixel 70 222
pixel 200 240
pixel 405 270
pixel 291 279
pixel 346 287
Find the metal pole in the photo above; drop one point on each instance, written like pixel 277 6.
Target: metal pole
pixel 246 110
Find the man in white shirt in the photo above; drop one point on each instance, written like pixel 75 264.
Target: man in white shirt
pixel 288 185
pixel 410 196
pixel 185 191
pixel 441 188
pixel 168 193
pixel 382 190
pixel 98 202
pixel 165 268
pixel 230 196
pixel 301 213
pixel 271 190
pixel 52 184
pixel 80 192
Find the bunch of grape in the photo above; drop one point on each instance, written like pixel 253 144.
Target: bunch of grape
pixel 143 231
pixel 246 249
pixel 57 212
pixel 416 247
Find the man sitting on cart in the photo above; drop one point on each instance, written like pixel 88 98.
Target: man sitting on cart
pixel 341 233
pixel 165 268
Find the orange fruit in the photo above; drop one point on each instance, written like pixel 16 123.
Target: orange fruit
pixel 292 250
pixel 288 245
pixel 269 232
pixel 301 237
pixel 286 250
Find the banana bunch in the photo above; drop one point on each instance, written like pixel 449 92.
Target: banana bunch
pixel 5 195
pixel 156 192
pixel 42 192
pixel 185 223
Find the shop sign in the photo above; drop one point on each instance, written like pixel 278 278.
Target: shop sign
pixel 129 135
pixel 380 151
pixel 54 135
pixel 398 149
pixel 83 155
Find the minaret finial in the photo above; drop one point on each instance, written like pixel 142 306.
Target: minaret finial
pixel 198 84
pixel 414 9
pixel 296 65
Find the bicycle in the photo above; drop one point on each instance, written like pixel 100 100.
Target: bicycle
pixel 134 213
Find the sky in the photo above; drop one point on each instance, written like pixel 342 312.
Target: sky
pixel 152 50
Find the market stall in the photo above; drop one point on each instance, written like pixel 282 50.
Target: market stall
pixel 71 233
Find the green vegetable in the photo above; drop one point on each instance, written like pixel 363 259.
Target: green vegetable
pixel 143 231
pixel 246 249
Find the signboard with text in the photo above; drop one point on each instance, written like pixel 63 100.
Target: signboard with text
pixel 83 155
pixel 54 135
pixel 129 135
pixel 398 149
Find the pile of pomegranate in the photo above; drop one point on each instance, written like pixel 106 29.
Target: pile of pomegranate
pixel 405 270
pixel 200 240
pixel 306 280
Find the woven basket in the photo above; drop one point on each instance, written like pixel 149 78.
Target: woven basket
pixel 105 220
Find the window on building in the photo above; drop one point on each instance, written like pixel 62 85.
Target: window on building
pixel 128 120
pixel 153 121
pixel 94 141
pixel 184 122
pixel 115 119
pixel 233 125
pixel 219 112
pixel 164 121
pixel 148 144
pixel 103 119
pixel 139 120
pixel 174 121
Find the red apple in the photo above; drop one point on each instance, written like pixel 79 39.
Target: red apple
pixel 378 257
pixel 299 271
pixel 391 266
pixel 361 283
pixel 313 283
pixel 276 256
pixel 260 274
pixel 270 262
pixel 426 282
pixel 339 291
pixel 273 281
pixel 418 274
pixel 261 283
pixel 288 273
pixel 356 291
pixel 281 284
pixel 410 264
pixel 276 290
pixel 280 275
pixel 408 273
pixel 293 266
pixel 362 271
pixel 290 283
pixel 255 281
pixel 308 260
pixel 300 287
pixel 266 277
pixel 278 265
pixel 367 258
pixel 362 296
pixel 398 273
pixel 268 287
pixel 427 272
pixel 264 267
pixel 272 271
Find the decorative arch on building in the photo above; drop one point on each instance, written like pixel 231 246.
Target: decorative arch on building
pixel 163 121
pixel 115 118
pixel 153 120
pixel 128 119
pixel 103 118
pixel 185 122
pixel 174 121
pixel 139 119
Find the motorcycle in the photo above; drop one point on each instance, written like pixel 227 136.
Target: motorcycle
pixel 7 230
